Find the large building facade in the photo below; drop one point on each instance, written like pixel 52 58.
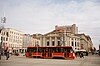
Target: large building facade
pixel 85 42
pixel 66 36
pixel 12 38
pixel 61 36
pixel 55 38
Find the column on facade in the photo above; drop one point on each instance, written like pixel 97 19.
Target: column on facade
pixel 62 41
pixel 65 38
pixel 78 43
pixel 70 41
pixel 56 41
pixel 50 39
pixel 40 41
pixel 74 43
pixel 44 42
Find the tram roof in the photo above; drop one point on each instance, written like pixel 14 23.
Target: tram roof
pixel 50 47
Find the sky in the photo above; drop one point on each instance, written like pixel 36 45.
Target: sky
pixel 41 16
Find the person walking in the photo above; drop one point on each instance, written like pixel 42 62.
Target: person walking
pixel 7 53
pixel 0 52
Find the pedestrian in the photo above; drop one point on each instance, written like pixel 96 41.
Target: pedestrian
pixel 7 53
pixel 0 52
pixel 81 55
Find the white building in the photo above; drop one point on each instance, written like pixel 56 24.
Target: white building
pixel 12 38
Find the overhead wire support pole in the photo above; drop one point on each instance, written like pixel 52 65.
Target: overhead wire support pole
pixel 65 37
pixel 2 21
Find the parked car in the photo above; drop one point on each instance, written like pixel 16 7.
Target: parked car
pixel 22 54
pixel 77 52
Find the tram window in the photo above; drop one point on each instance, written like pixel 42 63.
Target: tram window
pixel 62 49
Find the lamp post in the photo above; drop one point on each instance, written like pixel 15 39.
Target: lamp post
pixel 3 20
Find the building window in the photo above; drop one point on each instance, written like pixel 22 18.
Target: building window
pixel 4 33
pixel 7 34
pixel 75 44
pixel 72 44
pixel 3 38
pixel 53 43
pixel 47 43
pixel 82 46
pixel 58 43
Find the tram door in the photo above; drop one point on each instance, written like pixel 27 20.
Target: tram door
pixel 44 52
pixel 49 52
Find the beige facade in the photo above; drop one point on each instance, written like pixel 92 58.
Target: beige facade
pixel 55 38
pixel 36 42
pixel 90 44
pixel 85 42
pixel 61 36
pixel 69 28
pixel 37 39
pixel 66 36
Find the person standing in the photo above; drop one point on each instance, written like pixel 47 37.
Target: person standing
pixel 81 55
pixel 7 53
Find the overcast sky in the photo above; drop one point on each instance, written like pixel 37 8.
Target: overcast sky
pixel 41 16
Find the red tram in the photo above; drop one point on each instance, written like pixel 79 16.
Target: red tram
pixel 50 52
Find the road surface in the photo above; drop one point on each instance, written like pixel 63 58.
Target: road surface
pixel 92 60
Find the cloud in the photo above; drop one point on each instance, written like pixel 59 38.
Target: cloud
pixel 41 16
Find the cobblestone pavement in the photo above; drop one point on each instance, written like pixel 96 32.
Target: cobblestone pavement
pixel 92 60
